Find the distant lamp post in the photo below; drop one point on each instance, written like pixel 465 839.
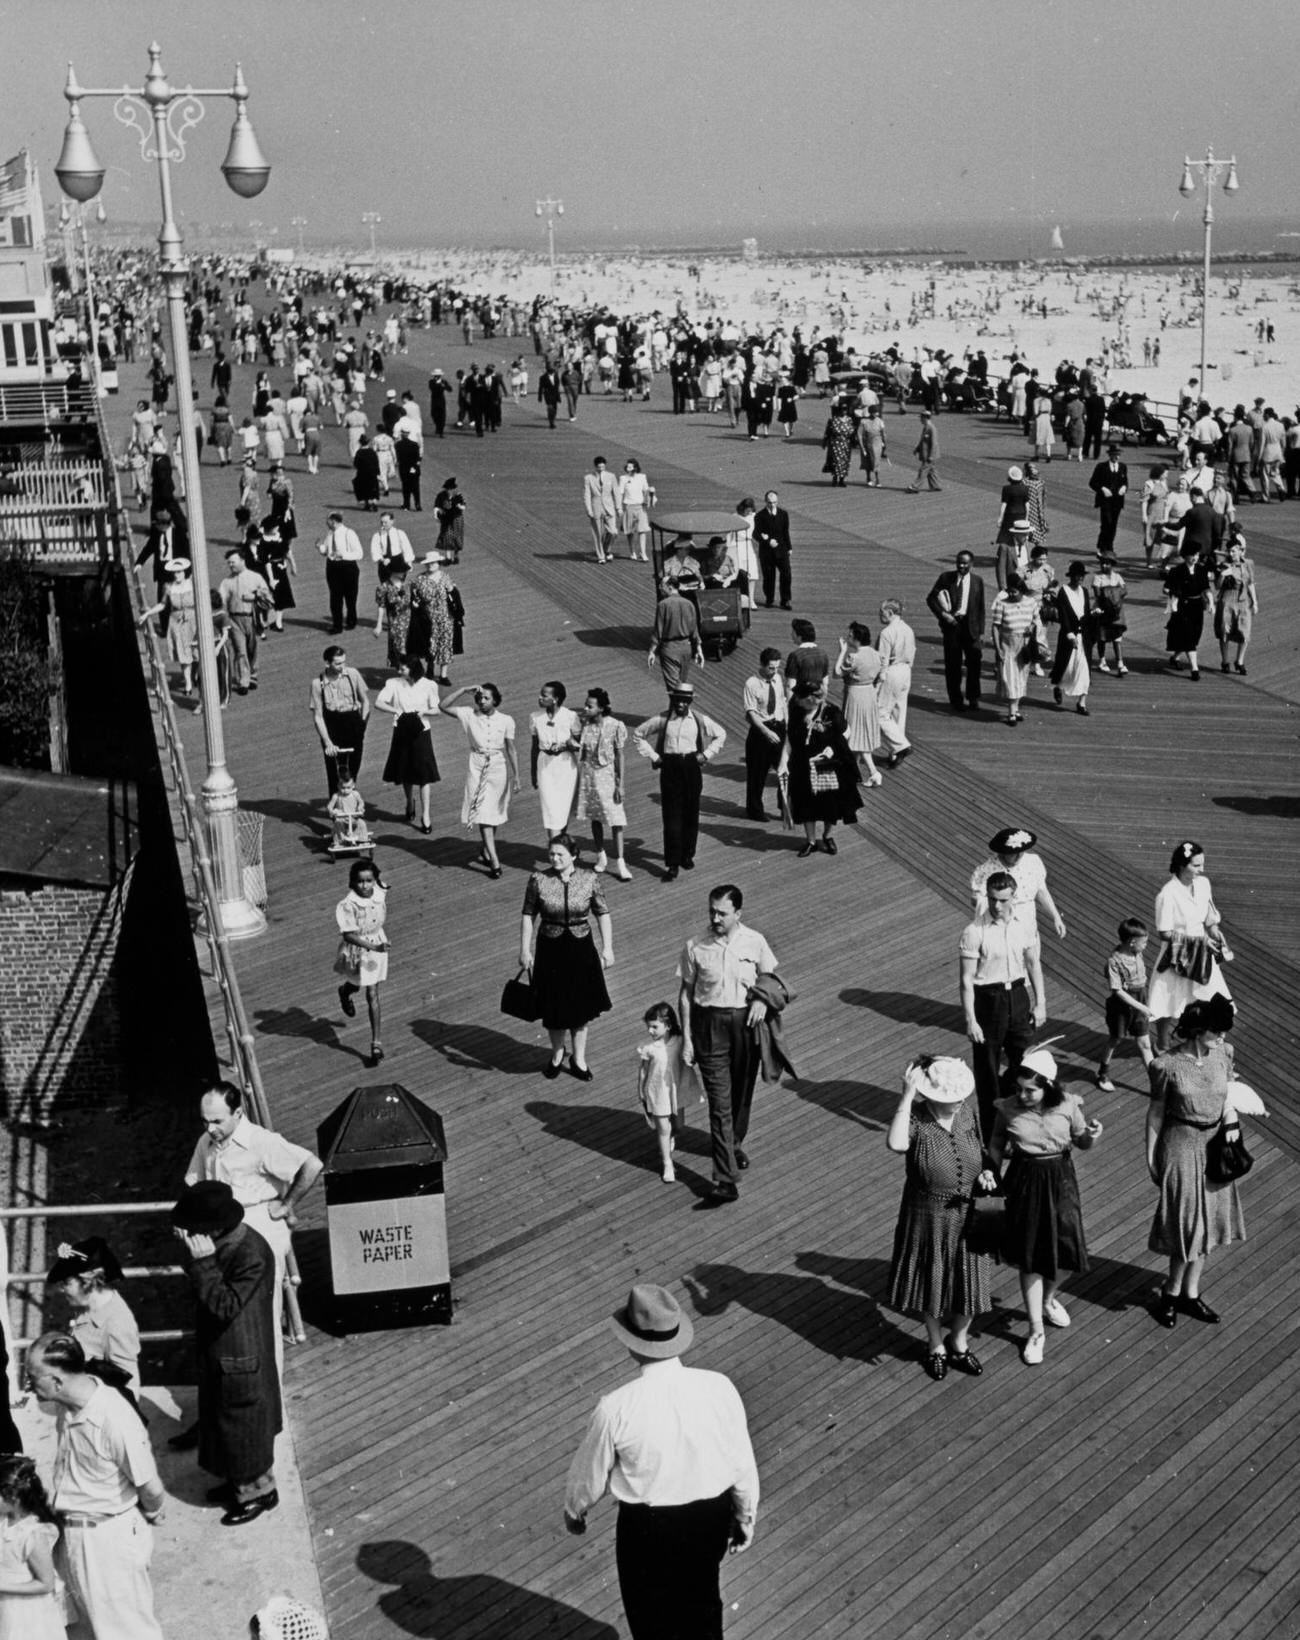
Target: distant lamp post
pixel 1209 167
pixel 372 219
pixel 299 222
pixel 162 115
pixel 255 228
pixel 550 209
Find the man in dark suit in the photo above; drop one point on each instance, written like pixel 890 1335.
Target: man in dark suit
pixel 1109 486
pixel 772 542
pixel 168 537
pixel 548 393
pixel 957 601
pixel 438 402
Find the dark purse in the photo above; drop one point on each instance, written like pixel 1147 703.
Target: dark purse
pixel 519 1000
pixel 1226 1156
pixel 986 1227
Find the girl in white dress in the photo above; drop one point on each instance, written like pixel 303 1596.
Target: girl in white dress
pixel 1191 943
pixel 659 1076
pixel 362 960
pixel 554 764
pixel 493 769
pixel 30 1604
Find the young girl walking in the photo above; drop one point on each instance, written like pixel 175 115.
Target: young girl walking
pixel 659 1078
pixel 362 961
pixel 30 1604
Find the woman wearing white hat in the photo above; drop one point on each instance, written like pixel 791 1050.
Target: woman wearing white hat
pixel 1038 1124
pixel 179 620
pixel 933 1271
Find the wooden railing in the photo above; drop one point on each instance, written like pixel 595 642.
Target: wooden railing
pixel 46 402
pixel 58 508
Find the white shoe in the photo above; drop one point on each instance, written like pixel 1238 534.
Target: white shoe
pixel 668 1175
pixel 621 871
pixel 1122 670
pixel 1105 1084
pixel 1056 1313
pixel 1038 672
pixel 1031 1351
pixel 601 862
pixel 1102 667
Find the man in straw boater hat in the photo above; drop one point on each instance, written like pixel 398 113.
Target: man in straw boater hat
pixel 232 1272
pixel 673 1448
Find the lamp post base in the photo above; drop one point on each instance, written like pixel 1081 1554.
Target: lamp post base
pixel 240 919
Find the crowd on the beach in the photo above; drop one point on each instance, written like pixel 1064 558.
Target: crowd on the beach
pixel 987 1145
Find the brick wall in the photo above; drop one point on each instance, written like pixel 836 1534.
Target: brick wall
pixel 60 1026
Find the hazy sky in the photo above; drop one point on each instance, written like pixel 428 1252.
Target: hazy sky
pixel 654 118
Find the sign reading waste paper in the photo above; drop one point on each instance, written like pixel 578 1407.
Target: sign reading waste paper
pixel 379 1247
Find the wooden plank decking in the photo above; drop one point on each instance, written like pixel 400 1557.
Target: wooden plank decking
pixel 1140 1481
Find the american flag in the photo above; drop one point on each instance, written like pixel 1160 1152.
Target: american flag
pixel 20 202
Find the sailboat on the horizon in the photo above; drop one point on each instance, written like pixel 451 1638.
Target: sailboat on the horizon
pixel 1058 244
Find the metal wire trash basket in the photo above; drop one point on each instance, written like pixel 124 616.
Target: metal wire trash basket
pixel 250 857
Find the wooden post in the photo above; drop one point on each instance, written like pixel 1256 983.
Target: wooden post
pixel 58 688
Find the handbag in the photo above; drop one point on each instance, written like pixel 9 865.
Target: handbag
pixel 1226 1156
pixel 986 1227
pixel 822 777
pixel 519 1000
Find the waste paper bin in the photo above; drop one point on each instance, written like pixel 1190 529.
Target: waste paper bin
pixel 383 1151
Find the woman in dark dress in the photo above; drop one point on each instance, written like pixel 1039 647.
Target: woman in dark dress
pixel 1190 1096
pixel 1187 587
pixel 1015 505
pixel 1037 1125
pixel 449 508
pixel 837 441
pixel 557 948
pixel 365 471
pixel 933 1272
pixel 278 566
pixel 823 772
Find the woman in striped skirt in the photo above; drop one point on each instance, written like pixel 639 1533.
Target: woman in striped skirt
pixel 1018 639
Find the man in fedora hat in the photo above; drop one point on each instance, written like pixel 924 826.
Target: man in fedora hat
pixel 232 1272
pixel 679 742
pixel 673 1448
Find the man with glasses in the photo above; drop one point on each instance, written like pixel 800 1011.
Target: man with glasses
pixel 1000 967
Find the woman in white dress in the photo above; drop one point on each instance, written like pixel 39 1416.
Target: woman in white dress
pixel 745 552
pixel 1192 946
pixel 896 646
pixel 493 769
pixel 554 760
pixel 1011 853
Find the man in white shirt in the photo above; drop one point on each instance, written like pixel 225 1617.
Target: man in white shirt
pixel 1001 970
pixel 390 547
pixel 268 1176
pixel 105 1489
pixel 679 742
pixel 242 591
pixel 767 713
pixel 673 1449
pixel 341 549
pixel 718 1017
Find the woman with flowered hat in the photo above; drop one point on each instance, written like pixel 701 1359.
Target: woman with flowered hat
pixel 1010 851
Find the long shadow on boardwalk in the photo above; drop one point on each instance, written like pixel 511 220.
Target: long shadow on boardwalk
pixel 475 1607
pixel 849 1326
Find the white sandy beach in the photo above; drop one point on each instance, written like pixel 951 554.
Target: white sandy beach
pixel 918 305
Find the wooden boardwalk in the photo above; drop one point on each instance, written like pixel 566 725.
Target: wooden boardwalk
pixel 1140 1481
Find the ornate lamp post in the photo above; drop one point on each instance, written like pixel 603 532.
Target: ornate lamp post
pixel 299 222
pixel 1209 167
pixel 372 219
pixel 550 209
pixel 162 115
